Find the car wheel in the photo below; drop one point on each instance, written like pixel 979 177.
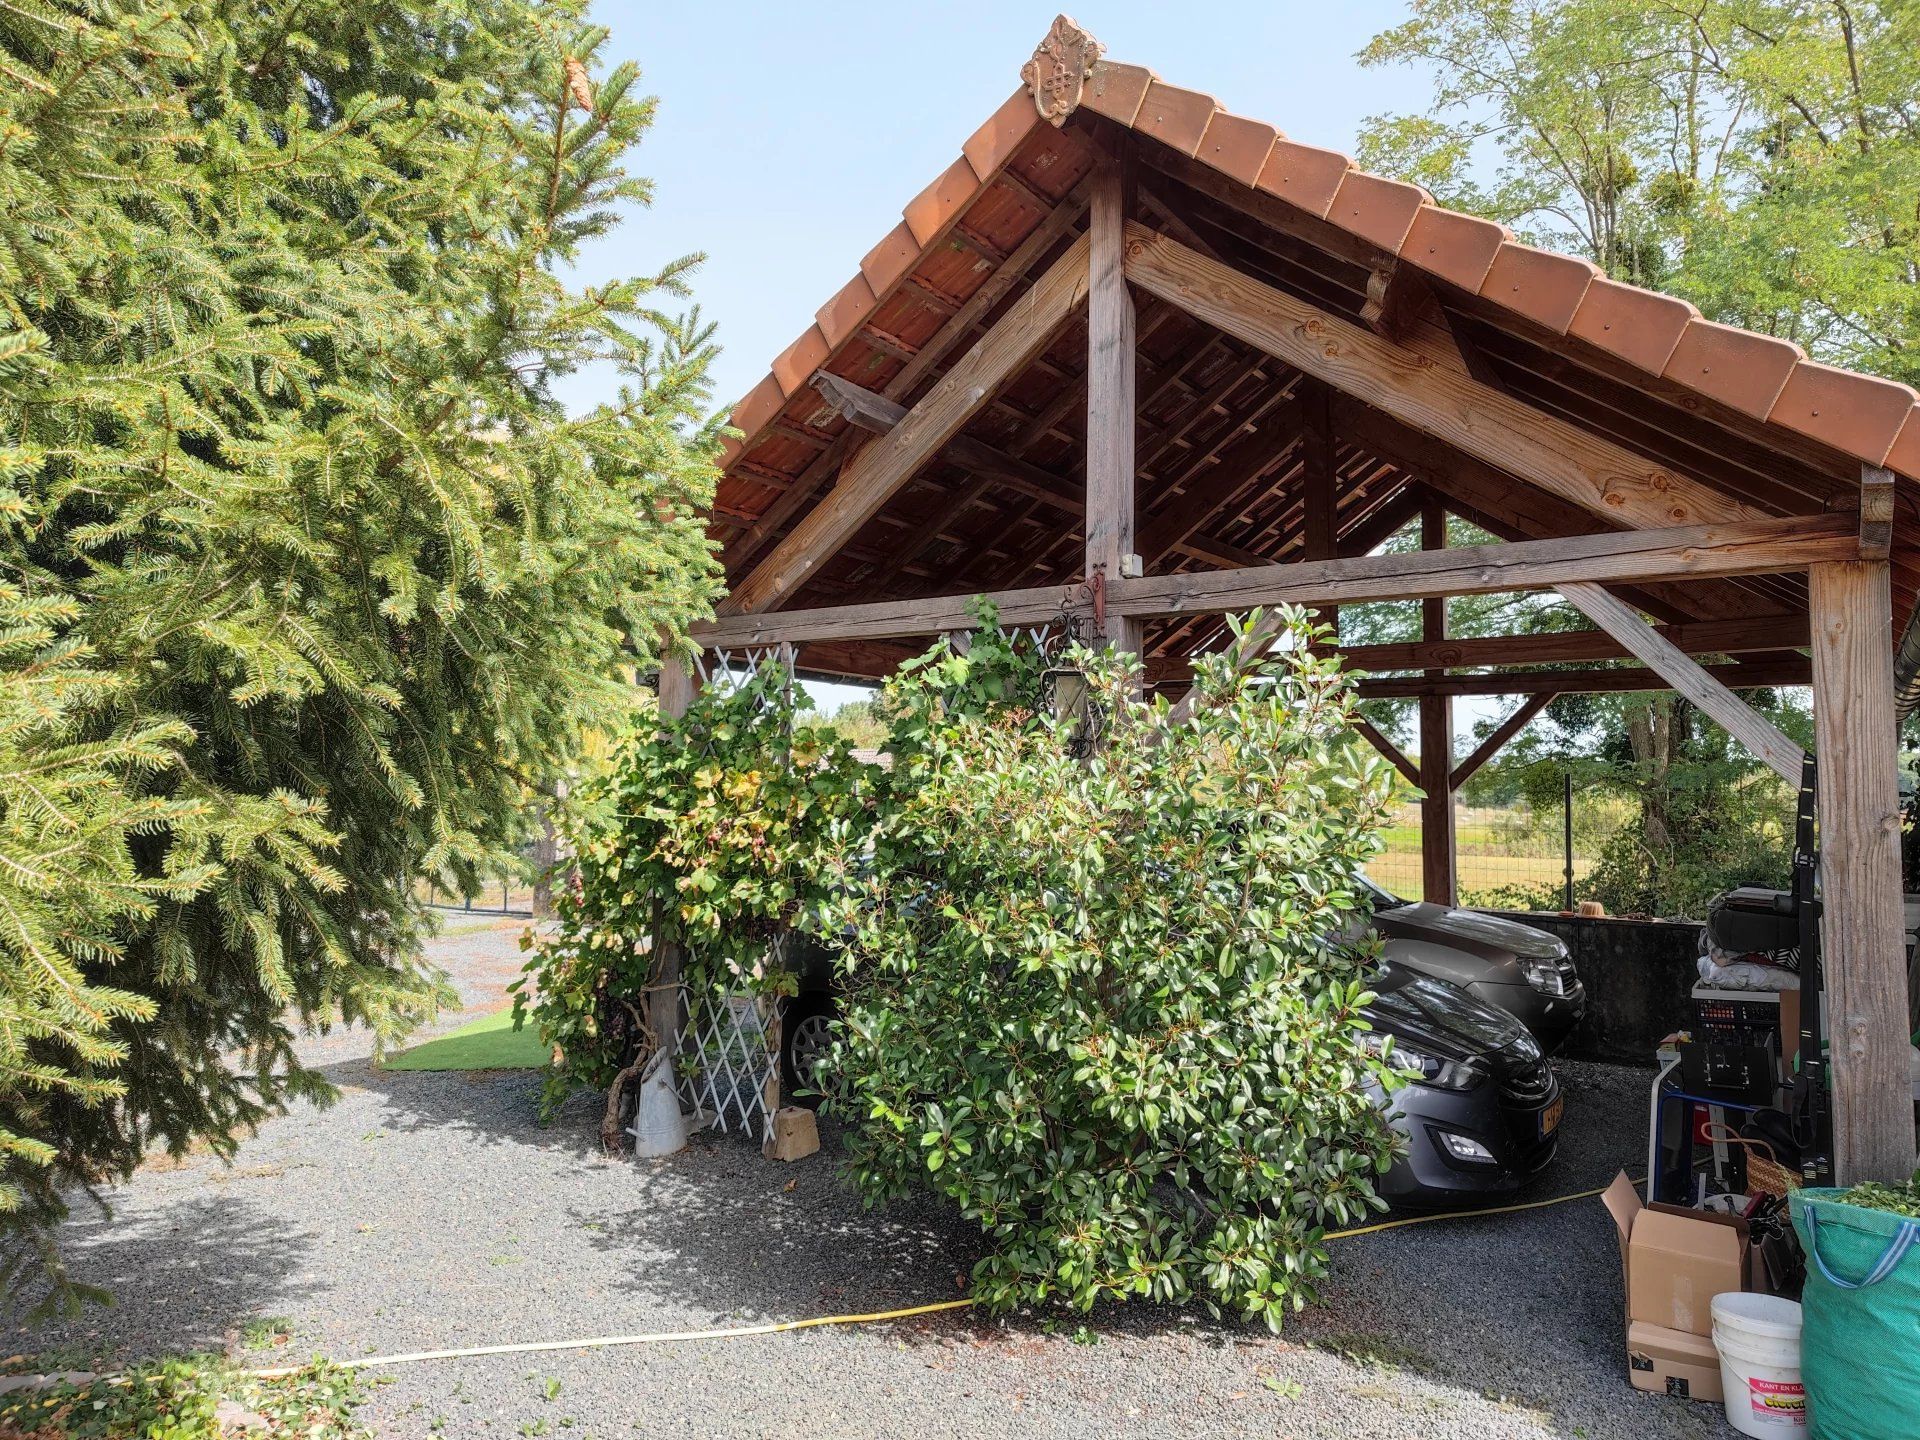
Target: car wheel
pixel 806 1034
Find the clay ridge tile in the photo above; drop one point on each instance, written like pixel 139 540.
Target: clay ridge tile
pixel 937 206
pixel 1734 366
pixel 1904 457
pixel 1304 175
pixel 1642 327
pixel 1174 116
pixel 795 365
pixel 1456 247
pixel 756 408
pixel 1236 147
pixel 990 147
pixel 1378 210
pixel 1861 415
pixel 841 315
pixel 1539 284
pixel 1116 91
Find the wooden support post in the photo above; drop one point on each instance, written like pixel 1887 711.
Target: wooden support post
pixel 1110 398
pixel 1859 813
pixel 1436 739
pixel 1319 492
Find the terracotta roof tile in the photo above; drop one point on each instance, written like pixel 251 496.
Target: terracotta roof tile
pixel 758 407
pixel 841 315
pixel 1236 147
pixel 1733 366
pixel 1378 210
pixel 889 261
pixel 1640 326
pixel 1116 91
pixel 1539 284
pixel 794 366
pixel 1304 175
pixel 730 451
pixel 937 206
pixel 990 147
pixel 1860 414
pixel 1174 116
pixel 1905 454
pixel 1453 246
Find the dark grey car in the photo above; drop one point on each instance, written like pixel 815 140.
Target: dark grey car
pixel 1513 967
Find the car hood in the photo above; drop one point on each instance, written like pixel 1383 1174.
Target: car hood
pixel 1446 1020
pixel 1487 936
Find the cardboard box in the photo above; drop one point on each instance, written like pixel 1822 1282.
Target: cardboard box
pixel 1672 1362
pixel 1675 1261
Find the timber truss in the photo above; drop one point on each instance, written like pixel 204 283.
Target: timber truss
pixel 1149 363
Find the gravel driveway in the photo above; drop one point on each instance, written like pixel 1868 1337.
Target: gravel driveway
pixel 430 1210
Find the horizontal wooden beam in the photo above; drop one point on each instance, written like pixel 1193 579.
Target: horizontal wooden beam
pixel 872 477
pixel 1586 469
pixel 1621 681
pixel 890 619
pixel 1758 734
pixel 1567 647
pixel 1754 547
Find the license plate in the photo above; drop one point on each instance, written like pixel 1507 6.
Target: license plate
pixel 1550 1117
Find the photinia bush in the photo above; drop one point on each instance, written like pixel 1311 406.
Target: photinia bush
pixel 1109 1005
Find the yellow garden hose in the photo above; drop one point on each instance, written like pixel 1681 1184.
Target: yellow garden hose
pixel 776 1327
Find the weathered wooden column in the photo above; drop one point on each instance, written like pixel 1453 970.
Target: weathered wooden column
pixel 677 685
pixel 1110 397
pixel 1863 947
pixel 1436 739
pixel 1319 489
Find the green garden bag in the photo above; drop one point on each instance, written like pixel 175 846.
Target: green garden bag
pixel 1860 1341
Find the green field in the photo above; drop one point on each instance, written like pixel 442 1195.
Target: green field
pixel 1493 849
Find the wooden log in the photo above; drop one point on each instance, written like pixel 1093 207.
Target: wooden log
pixel 1753 730
pixel 1622 681
pixel 1876 512
pixel 1503 732
pixel 889 619
pixel 1753 547
pixel 872 477
pixel 1587 470
pixel 1563 647
pixel 1110 401
pixel 1371 734
pixel 878 415
pixel 1437 846
pixel 1863 944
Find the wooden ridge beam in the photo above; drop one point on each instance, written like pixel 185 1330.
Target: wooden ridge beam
pixel 1598 475
pixel 872 477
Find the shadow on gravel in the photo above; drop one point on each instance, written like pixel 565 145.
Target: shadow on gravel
pixel 492 1106
pixel 223 1260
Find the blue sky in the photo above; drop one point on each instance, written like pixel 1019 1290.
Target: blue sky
pixel 789 136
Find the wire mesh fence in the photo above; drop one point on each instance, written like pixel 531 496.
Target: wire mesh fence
pixel 1513 856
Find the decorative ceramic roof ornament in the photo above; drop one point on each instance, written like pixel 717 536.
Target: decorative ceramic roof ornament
pixel 1057 73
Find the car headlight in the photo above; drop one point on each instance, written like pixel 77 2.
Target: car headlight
pixel 1551 975
pixel 1422 1067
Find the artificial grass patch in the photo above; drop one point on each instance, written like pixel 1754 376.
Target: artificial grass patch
pixel 489 1043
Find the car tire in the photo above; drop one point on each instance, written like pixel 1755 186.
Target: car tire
pixel 806 1029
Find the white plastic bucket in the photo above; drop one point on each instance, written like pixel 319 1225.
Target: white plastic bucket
pixel 1758 1337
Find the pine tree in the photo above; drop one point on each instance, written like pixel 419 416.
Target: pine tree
pixel 323 569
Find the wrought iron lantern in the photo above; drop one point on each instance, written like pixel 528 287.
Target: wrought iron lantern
pixel 1065 691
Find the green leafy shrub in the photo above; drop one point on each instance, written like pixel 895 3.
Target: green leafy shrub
pixel 178 1399
pixel 708 836
pixel 1101 1004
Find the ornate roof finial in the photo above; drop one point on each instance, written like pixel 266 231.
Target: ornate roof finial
pixel 1058 71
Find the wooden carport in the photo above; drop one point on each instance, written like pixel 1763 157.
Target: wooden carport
pixel 1284 361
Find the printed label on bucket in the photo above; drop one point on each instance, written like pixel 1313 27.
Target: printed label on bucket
pixel 1781 1401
